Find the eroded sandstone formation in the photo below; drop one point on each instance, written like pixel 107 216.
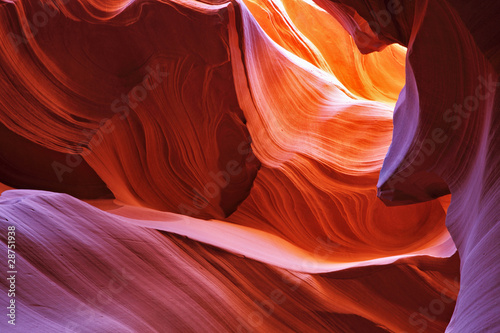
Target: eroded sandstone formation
pixel 225 158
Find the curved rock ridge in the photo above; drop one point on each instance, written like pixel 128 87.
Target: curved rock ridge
pixel 233 153
pixel 325 44
pixel 155 115
pixel 445 129
pixel 184 146
pixel 304 123
pixel 131 278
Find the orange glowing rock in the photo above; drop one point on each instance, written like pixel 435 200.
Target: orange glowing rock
pixel 230 155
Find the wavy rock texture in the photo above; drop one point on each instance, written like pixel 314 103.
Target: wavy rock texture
pixel 448 143
pixel 122 103
pixel 235 149
pixel 99 272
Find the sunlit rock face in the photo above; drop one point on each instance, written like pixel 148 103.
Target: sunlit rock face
pixel 224 161
pixel 446 131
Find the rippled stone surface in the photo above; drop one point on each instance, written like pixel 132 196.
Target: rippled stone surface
pixel 224 161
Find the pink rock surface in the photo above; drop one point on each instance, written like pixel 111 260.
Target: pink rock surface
pixel 85 270
pixel 446 133
pixel 224 160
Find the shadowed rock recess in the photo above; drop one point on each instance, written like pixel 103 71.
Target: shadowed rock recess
pixel 250 166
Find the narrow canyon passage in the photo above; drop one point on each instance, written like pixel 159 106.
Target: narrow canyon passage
pixel 249 166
